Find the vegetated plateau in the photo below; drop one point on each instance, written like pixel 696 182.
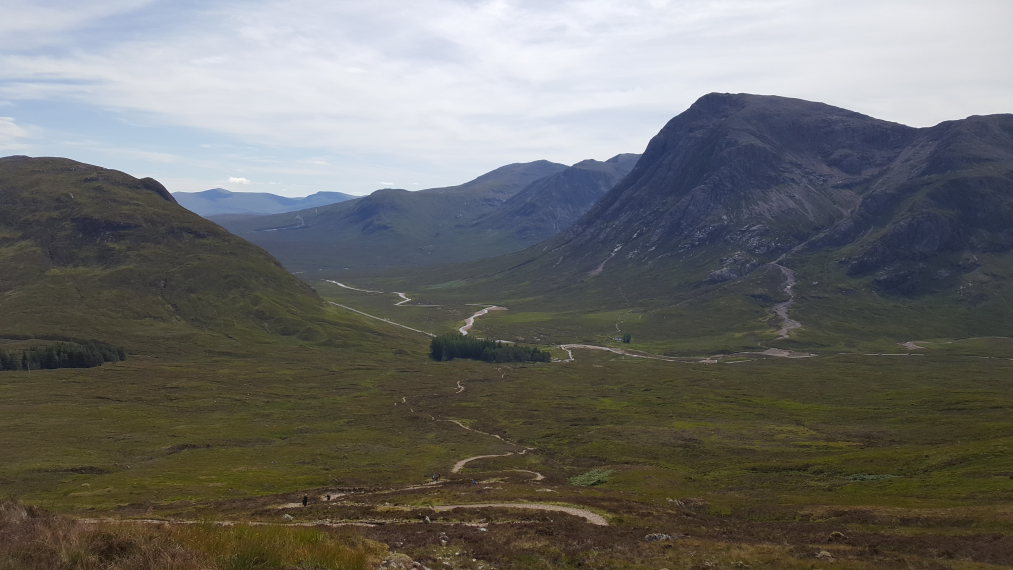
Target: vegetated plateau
pixel 779 342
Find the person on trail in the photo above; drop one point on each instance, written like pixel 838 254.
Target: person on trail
pixel 328 497
pixel 305 499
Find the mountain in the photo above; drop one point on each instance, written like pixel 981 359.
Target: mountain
pixel 96 254
pixel 221 201
pixel 552 204
pixel 744 202
pixel 392 227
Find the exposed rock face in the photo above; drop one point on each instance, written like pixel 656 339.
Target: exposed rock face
pixel 751 179
pixel 552 204
pixel 760 173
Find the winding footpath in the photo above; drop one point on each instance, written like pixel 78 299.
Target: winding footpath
pixel 388 321
pixel 470 321
pixel 585 514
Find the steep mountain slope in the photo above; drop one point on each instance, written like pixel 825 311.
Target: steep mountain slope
pixel 552 204
pixel 393 227
pixel 96 254
pixel 900 228
pixel 219 201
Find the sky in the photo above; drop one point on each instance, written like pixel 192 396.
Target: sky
pixel 297 96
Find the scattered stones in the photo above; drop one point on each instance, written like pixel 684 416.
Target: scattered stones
pixel 398 561
pixel 287 517
pixel 690 503
pixel 443 538
pixel 824 555
pixel 658 537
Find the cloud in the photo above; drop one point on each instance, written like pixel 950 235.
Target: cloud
pixel 10 130
pixel 442 90
pixel 13 137
pixel 30 24
pixel 238 180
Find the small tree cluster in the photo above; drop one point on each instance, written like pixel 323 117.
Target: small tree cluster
pixel 61 355
pixel 455 345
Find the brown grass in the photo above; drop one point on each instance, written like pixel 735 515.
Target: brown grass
pixel 32 539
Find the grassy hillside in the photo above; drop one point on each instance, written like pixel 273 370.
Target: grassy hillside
pixel 96 254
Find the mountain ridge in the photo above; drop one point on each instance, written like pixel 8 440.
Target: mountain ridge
pixel 395 227
pixel 94 253
pixel 740 188
pixel 219 201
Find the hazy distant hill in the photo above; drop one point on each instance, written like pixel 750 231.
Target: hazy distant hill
pixel 505 210
pixel 904 229
pixel 220 201
pixel 96 254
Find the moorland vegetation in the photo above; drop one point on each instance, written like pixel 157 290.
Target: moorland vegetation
pixel 676 428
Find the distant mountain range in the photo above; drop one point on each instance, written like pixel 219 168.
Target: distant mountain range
pixel 504 210
pixel 219 201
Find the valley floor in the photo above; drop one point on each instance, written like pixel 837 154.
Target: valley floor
pixel 610 457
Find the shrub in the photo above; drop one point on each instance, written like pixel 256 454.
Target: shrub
pixel 456 345
pixel 592 478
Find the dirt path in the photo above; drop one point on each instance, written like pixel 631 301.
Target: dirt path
pixel 326 523
pixel 470 321
pixel 589 516
pixel 569 350
pixel 586 514
pixel 460 464
pixel 388 321
pixel 537 476
pixel 340 284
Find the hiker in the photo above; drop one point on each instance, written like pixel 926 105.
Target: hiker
pixel 328 497
pixel 305 499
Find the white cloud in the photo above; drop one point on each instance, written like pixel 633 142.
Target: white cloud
pixel 13 137
pixel 441 90
pixel 238 180
pixel 10 130
pixel 30 24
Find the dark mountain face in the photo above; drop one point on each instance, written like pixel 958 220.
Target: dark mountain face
pixel 751 179
pixel 744 201
pixel 552 204
pixel 94 253
pixel 219 201
pixel 760 174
